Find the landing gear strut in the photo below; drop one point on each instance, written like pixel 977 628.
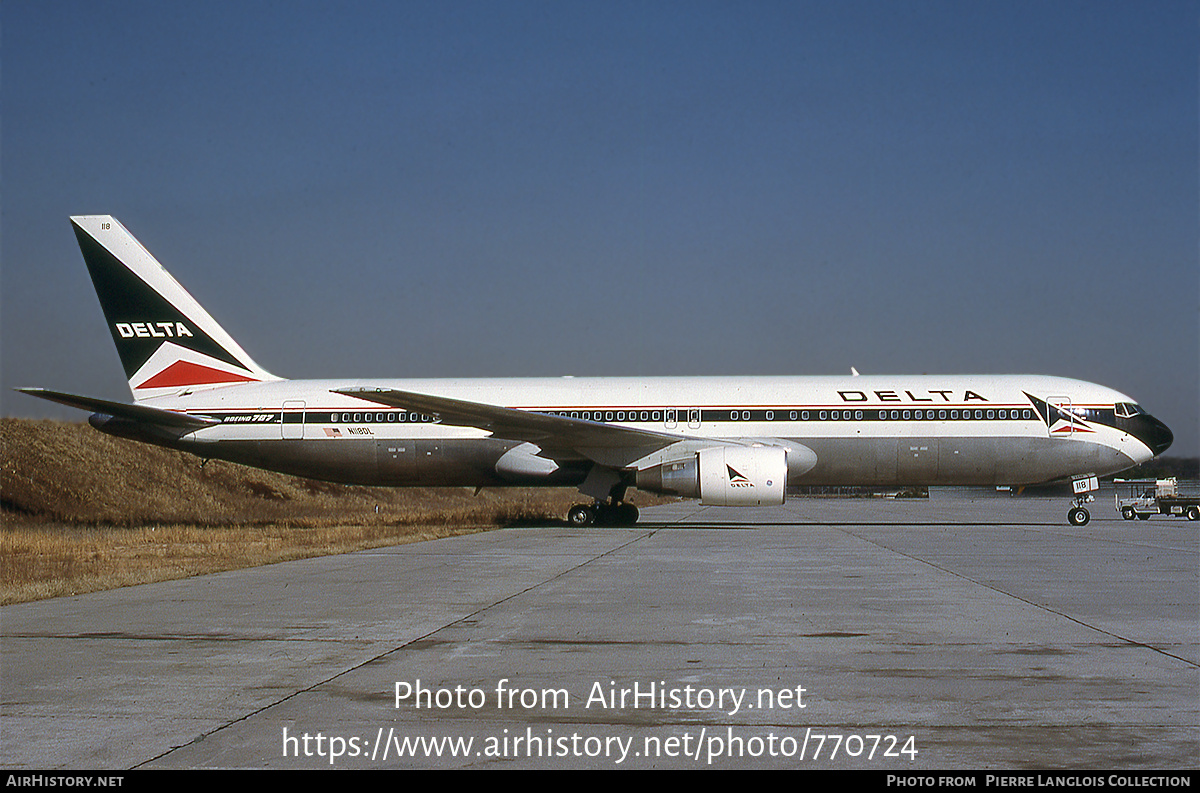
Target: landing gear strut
pixel 603 513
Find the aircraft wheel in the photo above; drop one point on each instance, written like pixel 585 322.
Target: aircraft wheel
pixel 625 514
pixel 1078 516
pixel 581 515
pixel 1193 513
pixel 1128 513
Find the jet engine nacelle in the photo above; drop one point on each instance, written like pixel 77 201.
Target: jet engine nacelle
pixel 723 476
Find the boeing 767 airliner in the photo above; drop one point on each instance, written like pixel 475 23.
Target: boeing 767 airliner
pixel 728 441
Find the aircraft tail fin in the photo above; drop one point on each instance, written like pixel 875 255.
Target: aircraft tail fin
pixel 167 342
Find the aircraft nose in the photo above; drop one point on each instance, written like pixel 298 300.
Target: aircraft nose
pixel 1153 433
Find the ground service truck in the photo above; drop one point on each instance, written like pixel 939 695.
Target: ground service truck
pixel 1141 498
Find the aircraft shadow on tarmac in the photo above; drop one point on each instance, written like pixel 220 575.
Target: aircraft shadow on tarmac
pixel 664 526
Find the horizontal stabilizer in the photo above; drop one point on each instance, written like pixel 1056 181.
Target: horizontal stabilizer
pixel 139 413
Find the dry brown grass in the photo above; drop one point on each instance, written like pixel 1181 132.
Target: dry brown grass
pixel 84 511
pixel 73 474
pixel 52 560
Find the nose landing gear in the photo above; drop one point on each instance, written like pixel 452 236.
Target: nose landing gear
pixel 1083 487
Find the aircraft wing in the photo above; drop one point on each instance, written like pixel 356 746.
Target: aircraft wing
pixel 138 413
pixel 554 434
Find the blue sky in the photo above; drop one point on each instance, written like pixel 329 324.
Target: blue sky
pixel 538 188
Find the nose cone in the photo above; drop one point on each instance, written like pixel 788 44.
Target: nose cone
pixel 1152 432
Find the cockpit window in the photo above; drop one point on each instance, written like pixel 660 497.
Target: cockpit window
pixel 1127 410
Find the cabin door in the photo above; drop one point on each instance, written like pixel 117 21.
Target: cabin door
pixel 292 420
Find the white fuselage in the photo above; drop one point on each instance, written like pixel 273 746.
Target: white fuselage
pixel 869 430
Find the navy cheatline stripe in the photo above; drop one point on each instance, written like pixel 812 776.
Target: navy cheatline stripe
pixel 601 415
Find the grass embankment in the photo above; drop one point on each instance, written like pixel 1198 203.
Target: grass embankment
pixel 84 511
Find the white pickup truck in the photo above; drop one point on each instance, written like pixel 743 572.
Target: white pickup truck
pixel 1146 497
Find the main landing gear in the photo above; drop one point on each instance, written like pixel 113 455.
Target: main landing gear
pixel 607 487
pixel 603 513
